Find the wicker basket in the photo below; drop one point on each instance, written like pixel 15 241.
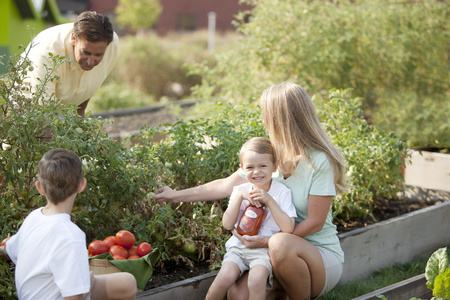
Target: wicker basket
pixel 102 266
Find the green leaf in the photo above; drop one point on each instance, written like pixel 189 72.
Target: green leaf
pixel 437 263
pixel 442 285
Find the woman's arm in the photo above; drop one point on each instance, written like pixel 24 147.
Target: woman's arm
pixel 318 207
pixel 214 190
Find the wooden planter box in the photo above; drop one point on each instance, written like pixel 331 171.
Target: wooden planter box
pixel 398 240
pixel 431 170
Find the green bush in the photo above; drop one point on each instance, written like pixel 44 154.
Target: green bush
pixel 154 68
pixel 114 95
pixel 374 157
pixel 422 120
pixel 368 45
pixel 376 48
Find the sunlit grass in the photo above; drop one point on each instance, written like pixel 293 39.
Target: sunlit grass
pixel 382 278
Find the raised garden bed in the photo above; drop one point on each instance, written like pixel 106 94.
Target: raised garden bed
pixel 404 290
pixel 400 239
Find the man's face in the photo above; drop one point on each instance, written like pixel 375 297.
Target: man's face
pixel 88 54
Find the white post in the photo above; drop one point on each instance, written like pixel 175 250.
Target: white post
pixel 211 30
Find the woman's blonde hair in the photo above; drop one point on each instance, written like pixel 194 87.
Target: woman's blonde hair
pixel 294 126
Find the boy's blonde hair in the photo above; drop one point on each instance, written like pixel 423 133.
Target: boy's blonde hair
pixel 60 173
pixel 259 145
pixel 294 126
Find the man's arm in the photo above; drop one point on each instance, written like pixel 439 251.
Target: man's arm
pixel 82 108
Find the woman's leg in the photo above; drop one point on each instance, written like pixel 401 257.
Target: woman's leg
pixel 297 265
pixel 239 290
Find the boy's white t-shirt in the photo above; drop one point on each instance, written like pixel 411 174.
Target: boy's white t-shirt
pixel 282 196
pixel 50 256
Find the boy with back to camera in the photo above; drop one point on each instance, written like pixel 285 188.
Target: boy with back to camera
pixel 258 162
pixel 49 251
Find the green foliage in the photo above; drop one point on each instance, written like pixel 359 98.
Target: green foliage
pixel 138 14
pixel 374 157
pixel 7 283
pixel 422 120
pixel 373 47
pixel 118 95
pixel 152 67
pixel 437 273
pixel 32 124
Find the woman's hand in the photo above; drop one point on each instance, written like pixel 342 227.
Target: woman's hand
pixel 164 194
pixel 252 241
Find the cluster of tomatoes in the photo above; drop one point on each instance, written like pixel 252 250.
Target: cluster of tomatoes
pixel 121 246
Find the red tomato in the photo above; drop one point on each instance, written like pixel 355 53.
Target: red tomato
pixel 132 251
pixel 4 241
pixel 133 257
pixel 119 257
pixel 125 238
pixel 118 250
pixel 110 241
pixel 144 249
pixel 97 247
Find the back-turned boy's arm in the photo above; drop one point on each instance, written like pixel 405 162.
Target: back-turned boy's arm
pixel 3 253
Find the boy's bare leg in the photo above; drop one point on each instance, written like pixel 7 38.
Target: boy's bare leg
pixel 114 286
pixel 257 281
pixel 223 281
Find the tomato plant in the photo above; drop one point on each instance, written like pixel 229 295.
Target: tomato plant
pixel 125 238
pixel 144 248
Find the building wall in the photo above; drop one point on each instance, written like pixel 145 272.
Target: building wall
pixel 193 14
pixel 184 15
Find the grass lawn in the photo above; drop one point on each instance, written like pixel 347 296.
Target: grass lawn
pixel 380 279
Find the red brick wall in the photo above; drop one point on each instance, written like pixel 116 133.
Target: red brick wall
pixel 199 9
pixel 196 10
pixel 103 6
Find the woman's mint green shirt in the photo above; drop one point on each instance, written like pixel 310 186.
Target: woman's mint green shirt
pixel 318 180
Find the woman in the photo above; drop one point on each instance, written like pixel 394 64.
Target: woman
pixel 309 262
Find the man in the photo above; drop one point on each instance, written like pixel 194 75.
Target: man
pixel 92 47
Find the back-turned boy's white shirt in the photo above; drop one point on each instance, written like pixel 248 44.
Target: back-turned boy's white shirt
pixel 50 256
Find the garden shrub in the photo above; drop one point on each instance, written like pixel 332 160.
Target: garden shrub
pixel 368 45
pixel 376 48
pixel 422 120
pixel 151 67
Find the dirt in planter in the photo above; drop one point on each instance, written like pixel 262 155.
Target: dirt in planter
pixel 174 272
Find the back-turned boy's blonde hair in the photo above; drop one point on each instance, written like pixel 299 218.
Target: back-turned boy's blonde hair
pixel 294 126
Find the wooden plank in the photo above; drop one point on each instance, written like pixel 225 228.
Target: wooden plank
pixel 192 288
pixel 404 290
pixel 397 240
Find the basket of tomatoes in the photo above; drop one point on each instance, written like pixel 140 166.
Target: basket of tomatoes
pixel 120 253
